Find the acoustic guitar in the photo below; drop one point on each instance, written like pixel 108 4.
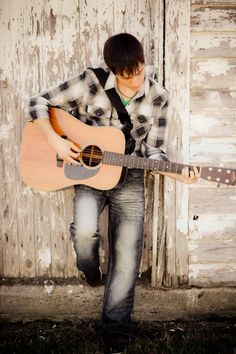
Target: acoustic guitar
pixel 102 157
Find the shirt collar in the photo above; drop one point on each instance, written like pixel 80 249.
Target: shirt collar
pixel 111 81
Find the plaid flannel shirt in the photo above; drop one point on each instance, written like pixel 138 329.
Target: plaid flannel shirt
pixel 84 97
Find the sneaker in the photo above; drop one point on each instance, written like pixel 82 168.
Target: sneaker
pixel 117 344
pixel 93 279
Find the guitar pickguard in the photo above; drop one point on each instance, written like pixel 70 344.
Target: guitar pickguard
pixel 79 172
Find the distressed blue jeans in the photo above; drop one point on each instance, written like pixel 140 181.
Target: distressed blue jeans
pixel 125 232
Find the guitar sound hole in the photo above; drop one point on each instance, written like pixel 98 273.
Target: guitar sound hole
pixel 92 156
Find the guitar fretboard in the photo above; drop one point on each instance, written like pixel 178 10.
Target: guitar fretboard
pixel 116 159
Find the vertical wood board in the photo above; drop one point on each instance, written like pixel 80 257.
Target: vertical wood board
pixel 177 49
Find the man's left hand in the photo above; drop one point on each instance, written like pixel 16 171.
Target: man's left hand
pixel 188 176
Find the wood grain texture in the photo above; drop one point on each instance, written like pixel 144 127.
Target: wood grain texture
pixel 9 131
pixel 213 151
pixel 156 221
pixel 214 44
pixel 211 17
pixel 208 275
pixel 211 100
pixel 213 124
pixel 213 2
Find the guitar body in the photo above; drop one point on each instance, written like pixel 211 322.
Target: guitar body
pixel 38 161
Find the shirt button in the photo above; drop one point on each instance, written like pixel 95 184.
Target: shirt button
pixel 99 112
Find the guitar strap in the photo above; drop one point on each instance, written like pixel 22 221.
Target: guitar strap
pixel 123 115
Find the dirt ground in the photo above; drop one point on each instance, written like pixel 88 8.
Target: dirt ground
pixel 84 337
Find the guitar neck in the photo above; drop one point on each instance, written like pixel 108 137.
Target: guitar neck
pixel 212 174
pixel 144 163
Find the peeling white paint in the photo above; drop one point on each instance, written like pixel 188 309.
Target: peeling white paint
pixel 213 44
pixel 5 130
pixel 192 246
pixel 44 257
pixel 217 73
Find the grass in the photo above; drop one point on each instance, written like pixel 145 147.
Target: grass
pixel 84 337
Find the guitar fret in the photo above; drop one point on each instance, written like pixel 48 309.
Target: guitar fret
pixel 150 164
pixel 155 165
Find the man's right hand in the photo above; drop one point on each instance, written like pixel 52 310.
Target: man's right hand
pixel 65 149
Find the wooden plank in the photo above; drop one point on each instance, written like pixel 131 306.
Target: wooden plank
pixel 25 226
pixel 209 275
pixel 177 81
pixel 4 38
pixel 60 18
pixel 213 2
pixel 214 227
pixel 212 252
pixel 212 17
pixel 211 213
pixel 26 234
pixel 213 151
pixel 158 258
pixel 219 74
pixel 40 24
pixel 213 100
pixel 104 245
pixel 212 201
pixel 214 124
pixel 72 269
pixel 59 234
pixel 213 44
pixel 70 54
pixel 8 148
pixel 157 28
pixel 43 26
pixel 42 234
pixel 212 237
pixel 160 268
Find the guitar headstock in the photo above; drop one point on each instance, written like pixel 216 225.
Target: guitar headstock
pixel 219 175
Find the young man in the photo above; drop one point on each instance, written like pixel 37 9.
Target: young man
pixel 146 103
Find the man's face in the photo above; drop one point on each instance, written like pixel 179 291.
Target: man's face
pixel 133 82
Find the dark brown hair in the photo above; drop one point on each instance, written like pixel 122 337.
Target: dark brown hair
pixel 123 53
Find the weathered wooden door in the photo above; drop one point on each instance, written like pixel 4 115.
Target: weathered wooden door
pixel 200 73
pixel 43 43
